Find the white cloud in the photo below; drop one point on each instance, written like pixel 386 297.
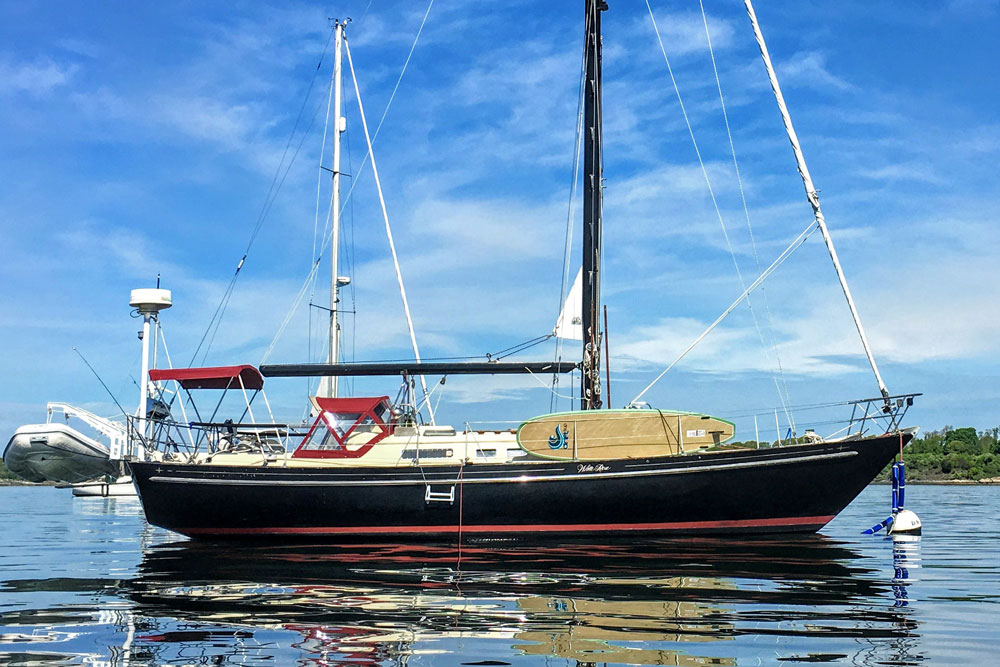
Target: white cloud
pixel 926 304
pixel 37 78
pixel 684 33
pixel 808 69
pixel 500 231
pixel 979 9
pixel 208 119
pixel 81 47
pixel 981 139
pixel 465 390
pixel 806 347
pixel 920 172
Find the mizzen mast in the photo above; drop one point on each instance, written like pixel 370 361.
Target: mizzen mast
pixel 590 394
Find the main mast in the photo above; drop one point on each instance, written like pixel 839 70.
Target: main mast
pixel 590 394
pixel 339 125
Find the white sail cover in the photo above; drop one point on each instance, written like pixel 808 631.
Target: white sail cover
pixel 570 323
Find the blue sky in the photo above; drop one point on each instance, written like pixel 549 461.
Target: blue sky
pixel 141 138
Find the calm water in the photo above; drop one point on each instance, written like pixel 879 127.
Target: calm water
pixel 87 581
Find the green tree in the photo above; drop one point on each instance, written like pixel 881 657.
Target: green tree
pixel 931 443
pixel 962 441
pixel 990 440
pixel 5 473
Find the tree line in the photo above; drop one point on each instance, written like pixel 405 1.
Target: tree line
pixel 947 454
pixel 954 453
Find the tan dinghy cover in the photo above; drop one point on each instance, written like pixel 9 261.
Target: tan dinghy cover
pixel 595 435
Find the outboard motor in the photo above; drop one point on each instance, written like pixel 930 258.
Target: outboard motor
pixel 158 410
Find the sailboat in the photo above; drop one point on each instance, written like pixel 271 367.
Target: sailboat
pixel 369 469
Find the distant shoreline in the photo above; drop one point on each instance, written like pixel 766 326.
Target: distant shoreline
pixel 994 481
pixel 19 482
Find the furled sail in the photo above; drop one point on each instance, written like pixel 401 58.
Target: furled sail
pixel 570 323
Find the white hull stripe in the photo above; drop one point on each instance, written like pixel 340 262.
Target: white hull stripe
pixel 496 480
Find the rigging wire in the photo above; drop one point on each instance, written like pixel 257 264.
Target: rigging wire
pixel 319 172
pixel 367 7
pixel 708 183
pixel 313 272
pixel 272 193
pixel 177 387
pixel 571 397
pixel 811 193
pixel 314 276
pixel 349 261
pixel 295 304
pixel 515 349
pixel 388 229
pixel 571 213
pixel 783 389
pixel 113 398
pixel 319 191
pixel 388 104
pixel 799 240
pixel 228 296
pixel 406 64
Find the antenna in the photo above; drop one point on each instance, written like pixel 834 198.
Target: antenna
pixel 149 302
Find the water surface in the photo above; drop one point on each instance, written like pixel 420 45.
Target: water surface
pixel 87 581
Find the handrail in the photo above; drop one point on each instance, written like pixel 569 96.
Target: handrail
pixel 248 425
pixel 888 411
pixel 167 436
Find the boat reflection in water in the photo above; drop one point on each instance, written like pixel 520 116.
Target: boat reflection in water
pixel 663 602
pixel 905 557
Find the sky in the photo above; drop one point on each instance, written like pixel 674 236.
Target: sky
pixel 152 139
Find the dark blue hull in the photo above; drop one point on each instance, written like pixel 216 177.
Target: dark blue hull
pixel 796 488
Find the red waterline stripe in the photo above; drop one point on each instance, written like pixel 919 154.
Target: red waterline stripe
pixel 506 528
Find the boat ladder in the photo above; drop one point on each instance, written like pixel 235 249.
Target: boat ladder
pixel 432 496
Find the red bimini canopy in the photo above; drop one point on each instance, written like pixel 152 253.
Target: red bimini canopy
pixel 215 377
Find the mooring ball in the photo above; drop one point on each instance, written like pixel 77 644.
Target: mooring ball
pixel 905 521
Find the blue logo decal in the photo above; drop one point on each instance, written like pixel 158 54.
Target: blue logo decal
pixel 558 441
